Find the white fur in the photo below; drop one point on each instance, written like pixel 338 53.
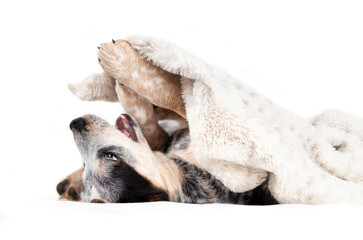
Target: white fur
pixel 97 86
pixel 239 135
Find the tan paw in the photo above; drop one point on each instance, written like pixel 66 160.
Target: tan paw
pixel 119 60
pixel 71 187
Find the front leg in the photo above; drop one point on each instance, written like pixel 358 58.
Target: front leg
pixel 141 109
pixel 71 187
pixel 123 63
pixel 96 87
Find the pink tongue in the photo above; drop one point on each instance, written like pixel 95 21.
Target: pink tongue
pixel 125 120
pixel 122 123
pixel 119 124
pixel 124 131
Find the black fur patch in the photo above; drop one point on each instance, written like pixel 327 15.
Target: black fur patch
pixel 135 187
pixel 199 186
pixel 193 191
pixel 261 195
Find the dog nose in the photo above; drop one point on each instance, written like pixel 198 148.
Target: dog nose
pixel 78 124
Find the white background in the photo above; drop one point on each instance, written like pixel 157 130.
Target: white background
pixel 306 56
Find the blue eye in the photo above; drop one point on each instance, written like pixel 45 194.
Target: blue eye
pixel 110 157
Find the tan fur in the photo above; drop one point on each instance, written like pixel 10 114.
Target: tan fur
pixel 185 154
pixel 157 198
pixel 123 63
pixel 101 168
pixel 166 114
pixel 97 200
pixel 161 172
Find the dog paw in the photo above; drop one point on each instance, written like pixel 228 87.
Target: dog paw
pixel 71 187
pixel 118 59
pixel 96 87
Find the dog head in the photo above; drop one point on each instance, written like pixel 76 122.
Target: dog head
pixel 110 154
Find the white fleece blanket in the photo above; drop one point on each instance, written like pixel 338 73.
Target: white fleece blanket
pixel 243 138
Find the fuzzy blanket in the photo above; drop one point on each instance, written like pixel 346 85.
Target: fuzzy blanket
pixel 243 138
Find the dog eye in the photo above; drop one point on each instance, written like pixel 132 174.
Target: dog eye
pixel 110 157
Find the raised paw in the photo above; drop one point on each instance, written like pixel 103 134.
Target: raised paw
pixel 123 63
pixel 116 59
pixel 71 187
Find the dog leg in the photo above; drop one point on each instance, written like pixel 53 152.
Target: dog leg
pixel 166 114
pixel 123 63
pixel 96 87
pixel 141 109
pixel 71 187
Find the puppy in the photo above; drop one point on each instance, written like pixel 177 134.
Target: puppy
pixel 135 160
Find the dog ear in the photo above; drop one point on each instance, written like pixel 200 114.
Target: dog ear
pixel 96 87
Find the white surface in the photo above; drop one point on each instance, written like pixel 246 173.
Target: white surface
pixel 66 220
pixel 290 51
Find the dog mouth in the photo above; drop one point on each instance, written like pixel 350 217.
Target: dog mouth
pixel 124 124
